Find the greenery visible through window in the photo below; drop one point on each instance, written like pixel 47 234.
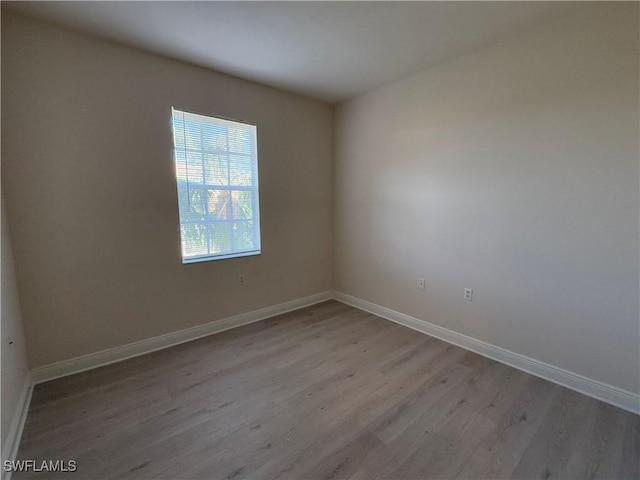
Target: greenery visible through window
pixel 216 164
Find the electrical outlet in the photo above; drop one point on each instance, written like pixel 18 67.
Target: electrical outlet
pixel 468 294
pixel 421 283
pixel 241 279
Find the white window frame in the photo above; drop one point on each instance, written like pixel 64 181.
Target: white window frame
pixel 254 187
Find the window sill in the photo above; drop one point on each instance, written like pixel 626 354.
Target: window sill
pixel 210 258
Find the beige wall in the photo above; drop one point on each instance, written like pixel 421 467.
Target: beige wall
pixel 513 171
pixel 13 351
pixel 91 197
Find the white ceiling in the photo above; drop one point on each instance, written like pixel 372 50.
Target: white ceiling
pixel 330 51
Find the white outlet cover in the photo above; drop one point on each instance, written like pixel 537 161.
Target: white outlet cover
pixel 421 283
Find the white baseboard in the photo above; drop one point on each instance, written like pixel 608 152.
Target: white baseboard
pixel 599 390
pixel 593 388
pixel 117 354
pixel 12 442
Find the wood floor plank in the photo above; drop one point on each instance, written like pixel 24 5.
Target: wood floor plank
pixel 590 450
pixel 550 451
pixel 325 392
pixel 499 452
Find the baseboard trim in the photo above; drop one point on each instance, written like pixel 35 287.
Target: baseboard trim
pixel 602 391
pixel 12 442
pixel 118 354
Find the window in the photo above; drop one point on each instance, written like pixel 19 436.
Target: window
pixel 217 176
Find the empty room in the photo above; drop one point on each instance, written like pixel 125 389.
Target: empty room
pixel 320 240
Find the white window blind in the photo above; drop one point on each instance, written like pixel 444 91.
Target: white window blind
pixel 216 164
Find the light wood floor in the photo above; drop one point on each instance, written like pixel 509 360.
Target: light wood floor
pixel 324 392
